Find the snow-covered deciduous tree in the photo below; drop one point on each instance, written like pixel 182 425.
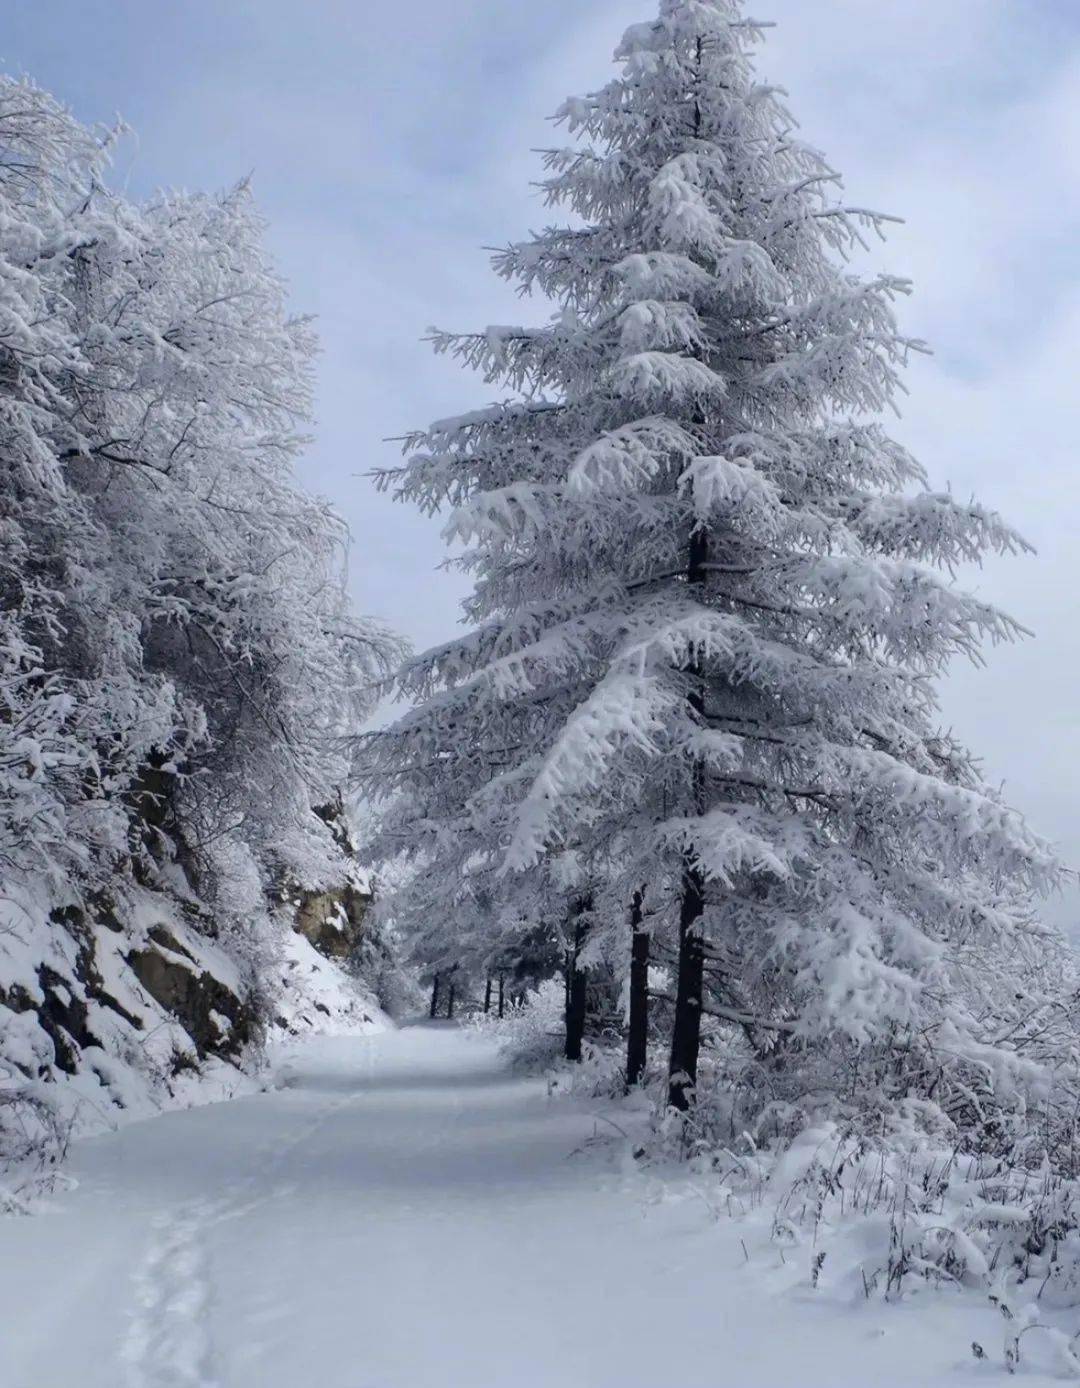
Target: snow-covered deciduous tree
pixel 181 673
pixel 178 648
pixel 712 597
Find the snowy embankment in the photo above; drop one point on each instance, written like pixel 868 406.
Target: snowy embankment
pixel 114 1016
pixel 401 1212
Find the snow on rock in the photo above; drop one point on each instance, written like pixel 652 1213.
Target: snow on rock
pixel 114 1009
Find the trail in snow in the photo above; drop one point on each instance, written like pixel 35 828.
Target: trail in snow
pixel 403 1213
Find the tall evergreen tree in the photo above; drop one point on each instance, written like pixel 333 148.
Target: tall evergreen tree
pixel 708 610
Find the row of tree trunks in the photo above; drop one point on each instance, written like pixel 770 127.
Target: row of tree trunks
pixel 437 988
pixel 576 979
pixel 686 1030
pixel 488 993
pixel 435 996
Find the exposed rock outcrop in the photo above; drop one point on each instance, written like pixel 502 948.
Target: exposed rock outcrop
pixel 333 921
pixel 143 999
pixel 217 1020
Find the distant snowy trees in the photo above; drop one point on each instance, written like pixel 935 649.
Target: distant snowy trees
pixel 696 705
pixel 179 664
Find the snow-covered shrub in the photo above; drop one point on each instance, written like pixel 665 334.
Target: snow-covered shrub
pixel 531 1035
pixel 600 1074
pixel 34 1134
pixel 380 964
pixel 530 1032
pixel 881 1215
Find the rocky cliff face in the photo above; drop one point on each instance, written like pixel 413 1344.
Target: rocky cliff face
pixel 124 1006
pixel 217 1021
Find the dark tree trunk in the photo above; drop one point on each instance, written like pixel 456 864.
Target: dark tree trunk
pixel 434 997
pixel 450 1004
pixel 575 1015
pixel 637 1036
pixel 575 985
pixel 502 994
pixel 487 995
pixel 686 1032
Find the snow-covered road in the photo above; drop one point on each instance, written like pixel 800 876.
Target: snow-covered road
pixel 404 1214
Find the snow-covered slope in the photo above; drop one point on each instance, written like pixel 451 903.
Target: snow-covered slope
pixel 317 995
pixel 111 1010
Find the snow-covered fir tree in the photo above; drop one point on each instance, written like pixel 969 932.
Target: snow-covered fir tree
pixel 712 597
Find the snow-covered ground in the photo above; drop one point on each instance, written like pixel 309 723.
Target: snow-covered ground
pixel 402 1213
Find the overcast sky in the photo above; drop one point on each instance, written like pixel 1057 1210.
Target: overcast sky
pixel 390 142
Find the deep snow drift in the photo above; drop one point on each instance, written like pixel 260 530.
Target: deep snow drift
pixel 403 1213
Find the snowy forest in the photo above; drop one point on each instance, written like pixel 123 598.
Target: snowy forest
pixel 666 861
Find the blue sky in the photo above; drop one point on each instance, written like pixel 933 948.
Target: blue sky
pixel 390 142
